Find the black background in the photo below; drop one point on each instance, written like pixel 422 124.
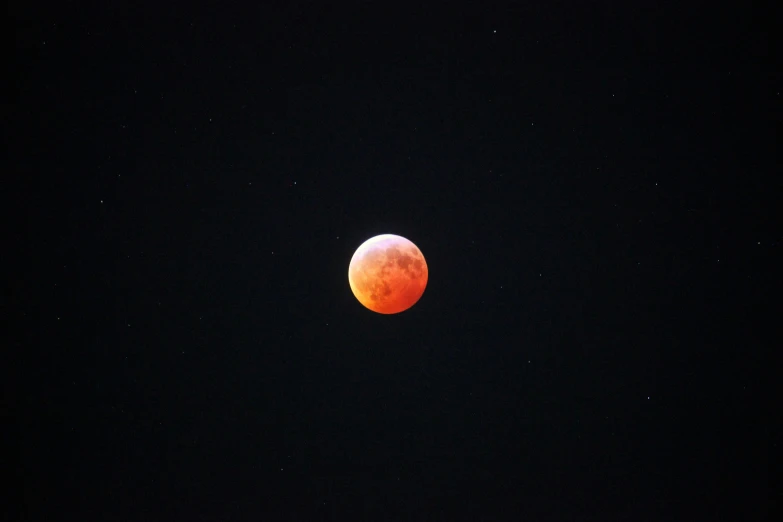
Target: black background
pixel 592 186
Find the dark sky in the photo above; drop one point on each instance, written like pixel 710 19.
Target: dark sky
pixel 593 188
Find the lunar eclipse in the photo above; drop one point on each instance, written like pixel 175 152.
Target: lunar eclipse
pixel 388 274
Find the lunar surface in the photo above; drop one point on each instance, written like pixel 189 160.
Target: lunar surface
pixel 388 274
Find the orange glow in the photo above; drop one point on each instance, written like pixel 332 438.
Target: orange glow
pixel 388 274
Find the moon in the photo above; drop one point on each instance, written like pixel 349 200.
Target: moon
pixel 388 274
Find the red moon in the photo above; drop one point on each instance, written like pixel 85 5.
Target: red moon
pixel 388 274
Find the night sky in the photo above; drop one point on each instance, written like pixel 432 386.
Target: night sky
pixel 593 188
